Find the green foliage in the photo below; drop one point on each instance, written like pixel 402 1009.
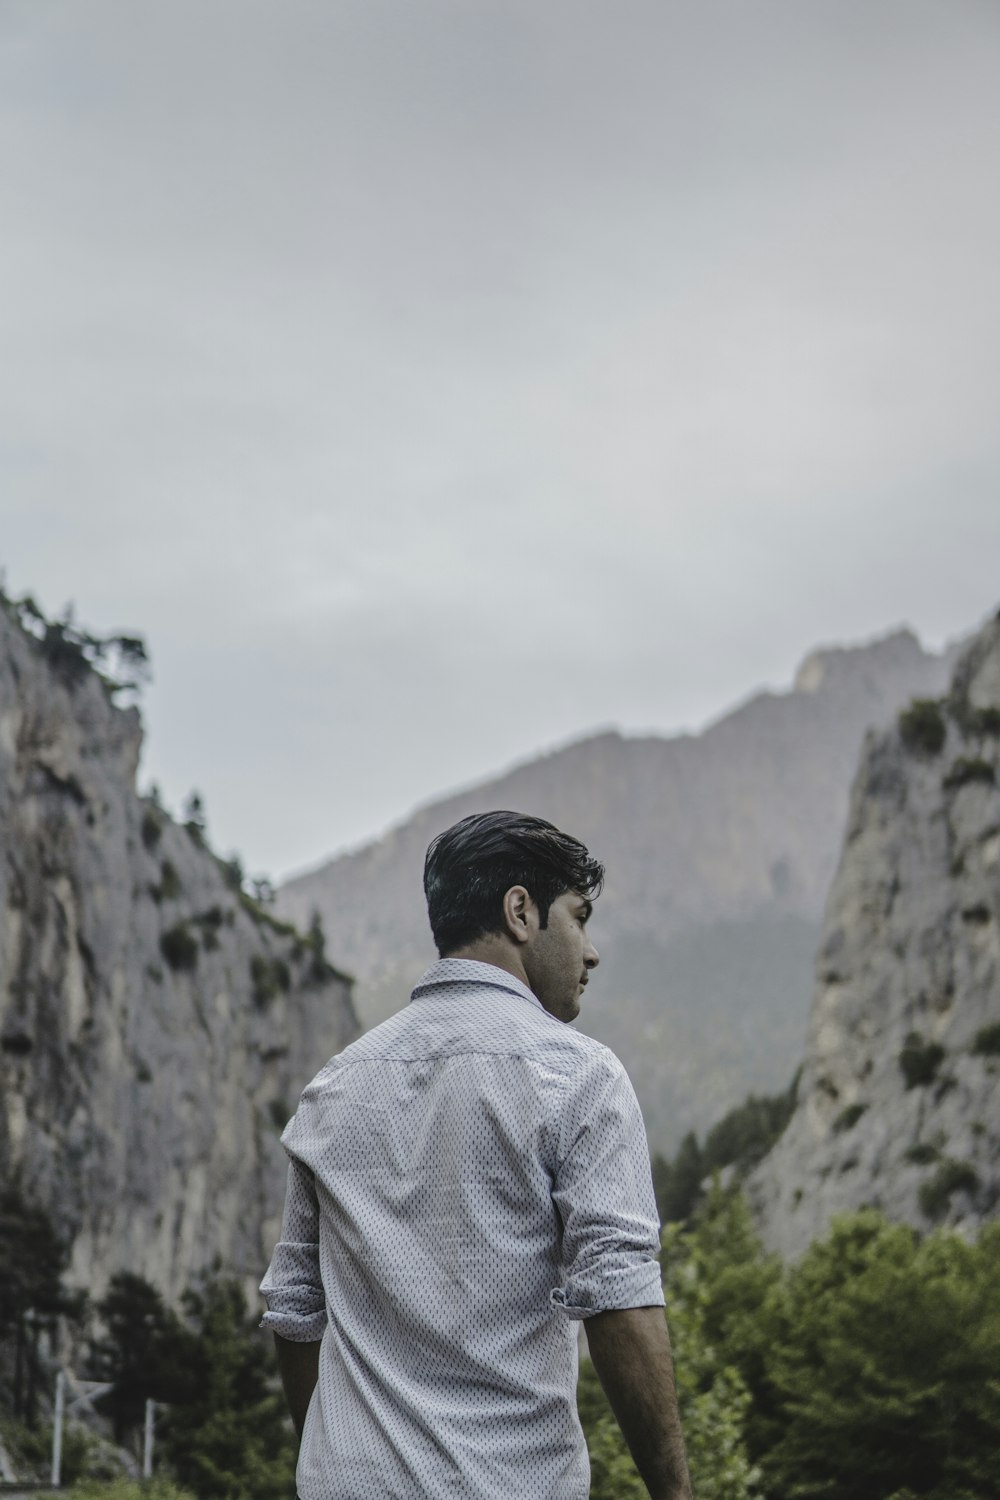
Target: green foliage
pixel 986 720
pixel 25 1445
pixel 848 1118
pixel 280 1113
pixel 145 1352
pixel 120 662
pixel 872 1366
pixel 170 886
pixel 179 947
pixel 232 873
pixel 315 941
pixel 613 1475
pixel 677 1183
pixel 89 1461
pixel 986 1042
pixel 951 1177
pixel 30 1451
pixel 920 1060
pixel 975 721
pixel 964 771
pixel 746 1134
pixel 210 921
pixel 122 1488
pixel 978 914
pixel 269 977
pixel 151 828
pixel 33 1260
pixel 265 918
pixel 714 1274
pixel 881 1356
pixel 194 817
pixel 233 1441
pixel 223 1431
pixel 740 1140
pixel 922 727
pixel 711 1393
pixel 922 1154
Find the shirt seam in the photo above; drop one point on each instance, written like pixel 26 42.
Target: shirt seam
pixel 363 1062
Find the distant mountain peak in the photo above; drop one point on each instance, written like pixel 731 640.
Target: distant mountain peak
pixel 896 648
pixel 719 848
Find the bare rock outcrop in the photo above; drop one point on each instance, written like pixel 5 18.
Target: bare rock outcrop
pixel 156 1025
pixel 899 1099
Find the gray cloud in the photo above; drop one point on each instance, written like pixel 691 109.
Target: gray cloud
pixel 431 383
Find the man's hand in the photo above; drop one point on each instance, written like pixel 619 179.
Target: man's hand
pixel 299 1366
pixel 631 1354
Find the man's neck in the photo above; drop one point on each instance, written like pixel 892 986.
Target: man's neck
pixel 496 951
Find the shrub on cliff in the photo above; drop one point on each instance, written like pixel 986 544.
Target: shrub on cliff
pixel 922 726
pixel 179 947
pixel 920 1060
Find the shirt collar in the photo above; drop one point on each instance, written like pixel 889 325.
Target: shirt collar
pixel 470 971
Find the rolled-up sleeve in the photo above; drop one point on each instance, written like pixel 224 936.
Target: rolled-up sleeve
pixel 293 1286
pixel 603 1191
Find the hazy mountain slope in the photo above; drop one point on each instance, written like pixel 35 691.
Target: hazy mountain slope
pixel 899 1101
pixel 155 1027
pixel 719 847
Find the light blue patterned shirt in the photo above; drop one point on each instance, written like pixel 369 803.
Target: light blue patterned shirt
pixel 465 1181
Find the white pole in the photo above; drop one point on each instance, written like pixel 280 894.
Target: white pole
pixel 147 1443
pixel 57 1429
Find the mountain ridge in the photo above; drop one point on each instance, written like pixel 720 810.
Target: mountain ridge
pixel 728 838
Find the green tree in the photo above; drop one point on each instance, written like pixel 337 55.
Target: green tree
pixel 740 1140
pixel 678 1182
pixel 745 1135
pixel 878 1367
pixel 122 1488
pixel 33 1259
pixel 120 661
pixel 720 1253
pixel 145 1353
pixel 233 1440
pixel 195 820
pixel 712 1395
pixel 319 969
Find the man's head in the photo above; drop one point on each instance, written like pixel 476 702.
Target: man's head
pixel 513 890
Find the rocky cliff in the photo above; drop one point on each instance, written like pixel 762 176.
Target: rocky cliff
pixel 720 848
pixel 156 1025
pixel 899 1100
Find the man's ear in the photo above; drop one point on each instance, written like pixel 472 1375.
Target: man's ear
pixel 518 910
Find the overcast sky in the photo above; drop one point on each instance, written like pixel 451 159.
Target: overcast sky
pixel 430 383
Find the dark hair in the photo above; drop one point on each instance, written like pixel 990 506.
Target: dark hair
pixel 471 866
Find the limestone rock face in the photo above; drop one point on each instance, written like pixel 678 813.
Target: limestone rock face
pixel 156 1027
pixel 720 848
pixel 899 1100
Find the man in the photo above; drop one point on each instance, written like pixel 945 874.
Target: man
pixel 467 1181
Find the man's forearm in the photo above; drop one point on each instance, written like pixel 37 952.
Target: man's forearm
pixel 299 1367
pixel 631 1354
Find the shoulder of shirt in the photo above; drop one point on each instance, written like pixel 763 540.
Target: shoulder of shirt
pixel 529 1032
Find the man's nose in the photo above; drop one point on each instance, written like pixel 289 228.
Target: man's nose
pixel 591 957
